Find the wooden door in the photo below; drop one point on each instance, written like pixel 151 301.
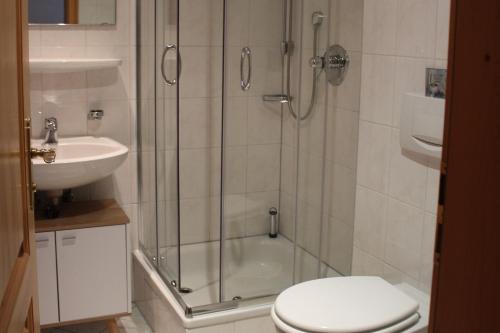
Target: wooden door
pixel 466 286
pixel 18 307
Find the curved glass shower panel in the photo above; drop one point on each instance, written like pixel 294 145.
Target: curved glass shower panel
pixel 327 145
pixel 200 120
pixel 312 120
pixel 257 259
pixel 248 155
pixel 146 72
pixel 167 173
pixel 341 149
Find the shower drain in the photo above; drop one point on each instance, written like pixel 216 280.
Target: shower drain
pixel 185 290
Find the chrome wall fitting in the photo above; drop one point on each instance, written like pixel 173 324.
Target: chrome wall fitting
pixel 435 82
pixel 276 98
pixel 96 114
pixel 336 64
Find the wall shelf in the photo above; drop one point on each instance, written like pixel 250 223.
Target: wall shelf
pixel 61 65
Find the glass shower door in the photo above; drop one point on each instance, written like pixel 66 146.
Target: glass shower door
pixel 256 261
pixel 146 119
pixel 166 138
pixel 199 148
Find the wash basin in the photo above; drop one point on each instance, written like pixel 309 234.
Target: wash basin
pixel 79 161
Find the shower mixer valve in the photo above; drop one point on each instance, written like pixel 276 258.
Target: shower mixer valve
pixel 317 62
pixel 335 62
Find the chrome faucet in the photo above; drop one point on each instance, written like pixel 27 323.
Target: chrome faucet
pixel 51 134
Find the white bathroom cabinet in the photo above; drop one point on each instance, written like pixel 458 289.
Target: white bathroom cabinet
pixel 47 277
pixel 82 274
pixel 92 272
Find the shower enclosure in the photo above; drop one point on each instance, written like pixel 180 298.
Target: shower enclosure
pixel 239 125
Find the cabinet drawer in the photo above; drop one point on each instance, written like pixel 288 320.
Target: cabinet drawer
pixel 92 272
pixel 47 277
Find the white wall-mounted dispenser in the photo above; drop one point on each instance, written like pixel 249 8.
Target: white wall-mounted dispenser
pixel 422 122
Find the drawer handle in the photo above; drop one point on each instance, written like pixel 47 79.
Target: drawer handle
pixel 42 243
pixel 68 240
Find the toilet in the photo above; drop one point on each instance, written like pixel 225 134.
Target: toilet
pixel 355 304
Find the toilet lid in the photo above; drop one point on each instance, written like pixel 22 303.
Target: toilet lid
pixel 344 304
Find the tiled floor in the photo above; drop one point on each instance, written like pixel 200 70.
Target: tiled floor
pixel 131 324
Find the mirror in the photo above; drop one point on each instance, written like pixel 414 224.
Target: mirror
pixel 88 12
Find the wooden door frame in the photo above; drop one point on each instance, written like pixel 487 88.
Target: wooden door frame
pixel 466 289
pixel 71 11
pixel 19 304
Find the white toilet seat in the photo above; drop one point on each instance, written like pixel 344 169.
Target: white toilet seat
pixel 408 322
pixel 343 305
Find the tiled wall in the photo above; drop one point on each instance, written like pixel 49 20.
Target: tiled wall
pixel 70 96
pixel 396 194
pixel 96 11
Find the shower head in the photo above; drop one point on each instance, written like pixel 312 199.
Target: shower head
pixel 317 18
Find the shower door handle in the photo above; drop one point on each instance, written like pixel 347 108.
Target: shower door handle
pixel 169 47
pixel 246 53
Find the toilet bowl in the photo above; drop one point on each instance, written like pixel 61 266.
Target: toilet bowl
pixel 364 304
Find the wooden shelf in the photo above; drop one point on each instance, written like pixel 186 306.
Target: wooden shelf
pixel 85 214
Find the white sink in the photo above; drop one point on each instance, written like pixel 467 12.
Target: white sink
pixel 79 161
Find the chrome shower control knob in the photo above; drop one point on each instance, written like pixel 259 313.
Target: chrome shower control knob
pixel 336 62
pixel 317 62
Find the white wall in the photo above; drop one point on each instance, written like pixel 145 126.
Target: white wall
pixel 70 96
pixel 396 194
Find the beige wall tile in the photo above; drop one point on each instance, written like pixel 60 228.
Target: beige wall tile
pixel 407 174
pixel 201 22
pixel 404 238
pixel 379 26
pixel 443 29
pixel 371 221
pixel 263 168
pixel 377 88
pixel 374 156
pixel 416 28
